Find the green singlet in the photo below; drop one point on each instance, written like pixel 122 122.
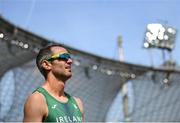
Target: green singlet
pixel 61 112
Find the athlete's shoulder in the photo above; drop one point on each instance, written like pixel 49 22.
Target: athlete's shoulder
pixel 77 99
pixel 37 96
pixel 35 99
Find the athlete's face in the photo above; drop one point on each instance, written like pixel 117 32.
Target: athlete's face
pixel 61 68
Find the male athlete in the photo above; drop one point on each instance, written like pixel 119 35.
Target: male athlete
pixel 49 103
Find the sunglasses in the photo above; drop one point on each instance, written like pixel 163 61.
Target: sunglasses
pixel 61 56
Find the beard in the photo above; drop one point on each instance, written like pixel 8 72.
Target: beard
pixel 64 76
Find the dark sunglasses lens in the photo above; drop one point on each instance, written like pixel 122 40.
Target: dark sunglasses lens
pixel 65 56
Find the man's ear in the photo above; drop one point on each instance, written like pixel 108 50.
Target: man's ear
pixel 46 65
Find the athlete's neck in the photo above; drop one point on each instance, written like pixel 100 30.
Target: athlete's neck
pixel 55 86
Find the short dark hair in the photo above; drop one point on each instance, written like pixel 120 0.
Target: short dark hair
pixel 44 54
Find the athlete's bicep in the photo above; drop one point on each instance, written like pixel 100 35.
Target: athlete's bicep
pixel 34 109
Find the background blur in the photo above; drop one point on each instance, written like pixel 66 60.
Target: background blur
pixel 94 25
pixel 116 77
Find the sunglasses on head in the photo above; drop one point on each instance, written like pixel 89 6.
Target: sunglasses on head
pixel 61 56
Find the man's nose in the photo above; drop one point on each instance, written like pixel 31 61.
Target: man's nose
pixel 70 61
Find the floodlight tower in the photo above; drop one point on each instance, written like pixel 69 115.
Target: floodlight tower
pixel 125 84
pixel 162 37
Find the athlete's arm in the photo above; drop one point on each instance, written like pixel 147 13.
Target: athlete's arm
pixel 81 107
pixel 35 108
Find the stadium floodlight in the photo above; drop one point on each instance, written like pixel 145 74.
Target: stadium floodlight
pixel 159 36
pixel 1 35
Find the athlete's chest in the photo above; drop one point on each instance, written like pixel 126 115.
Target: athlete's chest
pixel 60 113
